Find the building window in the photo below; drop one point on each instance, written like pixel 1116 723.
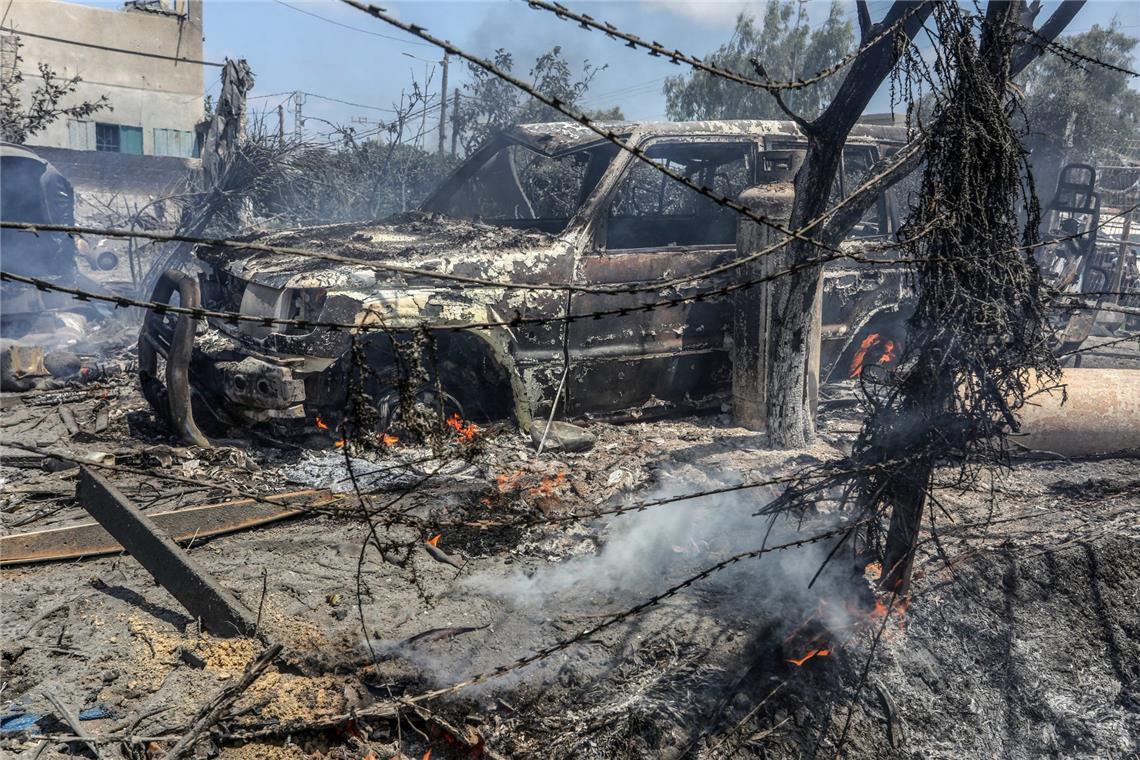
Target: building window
pixel 80 134
pixel 175 142
pixel 9 49
pixel 118 138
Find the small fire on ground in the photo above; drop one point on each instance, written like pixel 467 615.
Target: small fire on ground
pixel 464 431
pixel 832 624
pixel 541 489
pixel 385 438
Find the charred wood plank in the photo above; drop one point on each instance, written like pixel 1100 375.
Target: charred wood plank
pixel 220 612
pixel 206 521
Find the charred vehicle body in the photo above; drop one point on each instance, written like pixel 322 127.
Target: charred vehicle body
pixel 549 203
pixel 1096 253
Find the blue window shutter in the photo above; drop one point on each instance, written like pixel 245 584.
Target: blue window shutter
pixel 131 140
pixel 173 142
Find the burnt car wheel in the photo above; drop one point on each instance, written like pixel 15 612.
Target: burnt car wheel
pixel 429 405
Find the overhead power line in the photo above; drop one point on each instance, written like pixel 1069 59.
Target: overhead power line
pixel 351 27
pixel 318 96
pixel 110 49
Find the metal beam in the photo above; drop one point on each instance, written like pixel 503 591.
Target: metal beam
pixel 220 612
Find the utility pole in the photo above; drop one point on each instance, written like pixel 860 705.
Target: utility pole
pixel 298 116
pixel 455 121
pixel 281 124
pixel 443 102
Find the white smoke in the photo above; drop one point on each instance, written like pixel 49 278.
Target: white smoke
pixel 641 555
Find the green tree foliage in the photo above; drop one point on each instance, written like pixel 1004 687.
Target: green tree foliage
pixel 490 104
pixel 789 49
pixel 23 118
pixel 1083 112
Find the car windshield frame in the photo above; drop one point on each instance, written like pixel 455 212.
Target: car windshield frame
pixel 600 158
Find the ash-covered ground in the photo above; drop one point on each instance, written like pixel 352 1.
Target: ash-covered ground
pixel 1022 639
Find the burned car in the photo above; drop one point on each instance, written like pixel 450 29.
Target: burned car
pixel 546 203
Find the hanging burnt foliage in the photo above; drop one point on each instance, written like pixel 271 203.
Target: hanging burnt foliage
pixel 980 340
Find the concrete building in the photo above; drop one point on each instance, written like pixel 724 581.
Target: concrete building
pixel 126 55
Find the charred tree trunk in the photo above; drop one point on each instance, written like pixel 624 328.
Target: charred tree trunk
pixel 790 421
pixel 977 325
pixel 753 308
pixel 791 424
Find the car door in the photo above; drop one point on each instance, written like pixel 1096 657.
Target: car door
pixel 653 228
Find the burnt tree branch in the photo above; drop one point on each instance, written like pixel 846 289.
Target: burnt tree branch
pixel 865 25
pixel 892 169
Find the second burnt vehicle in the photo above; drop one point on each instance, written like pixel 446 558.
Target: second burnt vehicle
pixel 544 203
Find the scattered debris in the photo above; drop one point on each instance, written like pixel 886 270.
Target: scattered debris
pixel 562 436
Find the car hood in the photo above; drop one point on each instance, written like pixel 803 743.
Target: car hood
pixel 428 242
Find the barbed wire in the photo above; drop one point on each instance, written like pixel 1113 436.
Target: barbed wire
pixel 1077 305
pixel 612 137
pixel 657 50
pixel 521 521
pixel 1071 55
pixel 516 321
pixel 35 228
pixel 271 728
pixel 199 313
pixel 1098 346
pixel 38 227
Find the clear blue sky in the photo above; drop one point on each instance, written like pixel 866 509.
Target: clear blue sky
pixel 290 50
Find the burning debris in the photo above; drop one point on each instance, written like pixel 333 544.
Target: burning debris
pixel 478 480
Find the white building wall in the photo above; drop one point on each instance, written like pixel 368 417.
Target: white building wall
pixel 144 92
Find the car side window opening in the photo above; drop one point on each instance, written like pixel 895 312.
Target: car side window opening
pixel 652 210
pixel 857 163
pixel 520 187
pixel 855 168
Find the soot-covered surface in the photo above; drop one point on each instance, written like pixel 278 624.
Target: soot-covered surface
pixel 1021 640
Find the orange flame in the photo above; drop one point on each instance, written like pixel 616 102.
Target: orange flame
pixel 427 755
pixel 465 431
pixel 322 424
pixel 389 440
pixel 798 662
pixel 888 353
pixel 339 443
pixel 857 362
pixel 546 486
pixel 507 482
pixel 434 540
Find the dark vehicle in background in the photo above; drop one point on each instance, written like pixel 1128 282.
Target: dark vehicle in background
pixel 31 190
pixel 545 203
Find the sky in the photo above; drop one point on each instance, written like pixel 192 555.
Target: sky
pixel 337 53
